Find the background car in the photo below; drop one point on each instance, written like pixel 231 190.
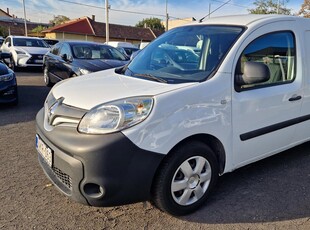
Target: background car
pixel 25 51
pixel 125 48
pixel 50 42
pixel 1 40
pixel 8 85
pixel 74 58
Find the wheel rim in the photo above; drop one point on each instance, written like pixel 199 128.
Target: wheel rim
pixel 46 79
pixel 191 180
pixel 12 64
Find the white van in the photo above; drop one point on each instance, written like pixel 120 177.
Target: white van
pixel 125 47
pixel 164 127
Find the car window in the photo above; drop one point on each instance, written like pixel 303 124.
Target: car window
pixel 96 51
pixel 65 49
pixel 56 48
pixel 277 52
pixel 29 42
pixel 185 54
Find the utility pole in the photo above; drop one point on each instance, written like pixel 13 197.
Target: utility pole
pixel 278 6
pixel 167 16
pixel 25 21
pixel 107 35
pixel 209 10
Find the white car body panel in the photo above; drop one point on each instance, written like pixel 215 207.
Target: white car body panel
pixel 101 88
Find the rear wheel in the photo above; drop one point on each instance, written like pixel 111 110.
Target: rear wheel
pixel 185 179
pixel 46 77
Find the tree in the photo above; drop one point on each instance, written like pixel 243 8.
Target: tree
pixel 38 29
pixel 305 9
pixel 153 23
pixel 270 7
pixel 59 19
pixel 3 31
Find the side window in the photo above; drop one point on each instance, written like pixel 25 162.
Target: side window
pixel 267 61
pixel 65 49
pixel 56 48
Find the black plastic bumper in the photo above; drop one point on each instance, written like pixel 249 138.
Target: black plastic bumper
pixel 8 91
pixel 123 171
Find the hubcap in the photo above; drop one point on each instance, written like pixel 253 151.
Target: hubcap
pixel 191 180
pixel 45 75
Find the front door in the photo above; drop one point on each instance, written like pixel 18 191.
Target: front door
pixel 265 113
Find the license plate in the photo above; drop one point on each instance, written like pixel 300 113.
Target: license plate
pixel 38 61
pixel 45 151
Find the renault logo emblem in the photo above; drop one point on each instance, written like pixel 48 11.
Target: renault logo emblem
pixel 52 110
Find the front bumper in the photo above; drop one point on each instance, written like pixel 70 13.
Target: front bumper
pixel 34 60
pixel 8 91
pixel 99 170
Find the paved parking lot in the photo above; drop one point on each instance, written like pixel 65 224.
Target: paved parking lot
pixel 271 194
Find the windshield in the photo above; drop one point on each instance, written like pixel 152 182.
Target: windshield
pixel 29 42
pixel 96 51
pixel 185 54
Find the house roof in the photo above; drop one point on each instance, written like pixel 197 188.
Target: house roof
pixel 85 25
pixel 5 13
pixel 77 26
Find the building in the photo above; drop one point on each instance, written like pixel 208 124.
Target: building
pixel 88 29
pixel 179 22
pixel 11 25
pixel 4 14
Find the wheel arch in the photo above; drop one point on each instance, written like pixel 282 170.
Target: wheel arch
pixel 214 143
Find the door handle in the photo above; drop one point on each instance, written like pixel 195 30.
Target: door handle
pixel 295 98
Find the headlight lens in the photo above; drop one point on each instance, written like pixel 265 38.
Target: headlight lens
pixel 116 116
pixel 7 77
pixel 84 71
pixel 20 52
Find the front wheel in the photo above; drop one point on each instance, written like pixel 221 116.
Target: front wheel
pixel 185 179
pixel 12 65
pixel 46 77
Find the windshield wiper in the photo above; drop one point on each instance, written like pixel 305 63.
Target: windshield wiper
pixel 150 76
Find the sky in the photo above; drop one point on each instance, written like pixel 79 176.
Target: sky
pixel 136 10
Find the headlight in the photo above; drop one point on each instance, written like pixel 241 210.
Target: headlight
pixel 7 77
pixel 20 52
pixel 115 116
pixel 84 71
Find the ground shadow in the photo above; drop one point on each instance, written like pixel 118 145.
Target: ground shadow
pixel 274 189
pixel 31 100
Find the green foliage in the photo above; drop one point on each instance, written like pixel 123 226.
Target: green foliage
pixel 3 31
pixel 305 9
pixel 59 19
pixel 38 29
pixel 153 23
pixel 270 7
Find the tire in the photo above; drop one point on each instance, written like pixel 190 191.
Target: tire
pixel 185 179
pixel 46 77
pixel 12 65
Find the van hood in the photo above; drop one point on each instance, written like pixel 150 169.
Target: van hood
pixel 90 90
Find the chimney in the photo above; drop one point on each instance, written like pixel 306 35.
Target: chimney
pixel 93 17
pixel 7 10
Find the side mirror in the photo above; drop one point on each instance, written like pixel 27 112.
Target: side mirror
pixel 64 57
pixel 254 72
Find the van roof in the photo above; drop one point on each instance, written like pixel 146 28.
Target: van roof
pixel 246 19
